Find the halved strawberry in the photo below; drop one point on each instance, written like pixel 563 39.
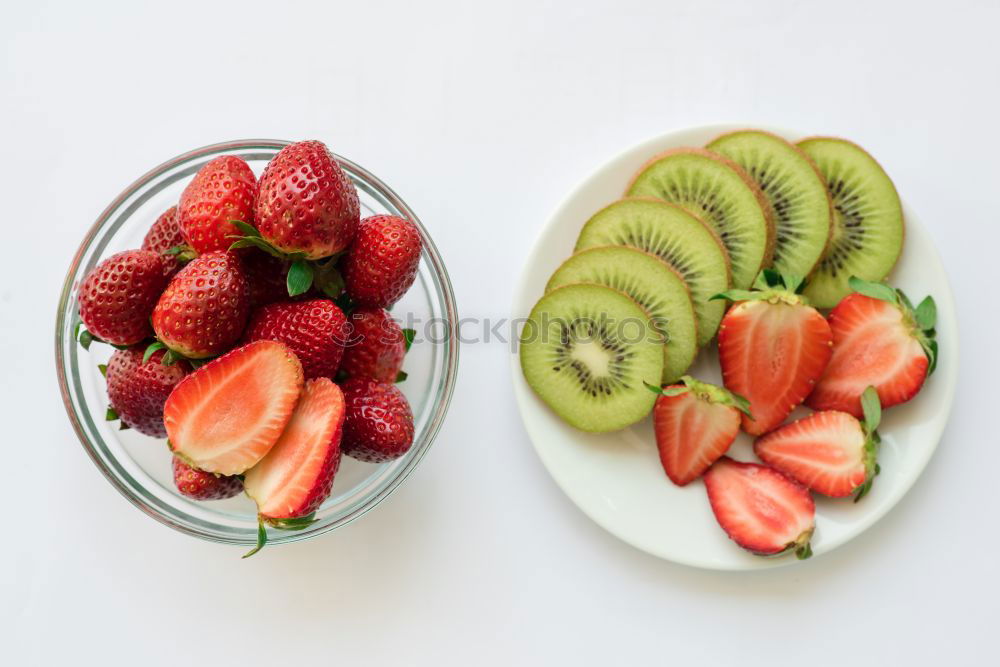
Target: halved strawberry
pixel 226 416
pixel 773 347
pixel 829 452
pixel 761 509
pixel 879 340
pixel 695 423
pixel 294 479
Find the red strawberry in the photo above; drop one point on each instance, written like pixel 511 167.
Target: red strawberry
pixel 773 347
pixel 695 423
pixel 382 263
pixel 376 346
pixel 879 340
pixel 227 415
pixel 379 423
pixel 314 330
pixel 164 235
pixel 201 485
pixel 760 509
pixel 294 479
pixel 829 452
pixel 307 204
pixel 267 276
pixel 205 307
pixel 117 297
pixel 137 390
pixel 223 190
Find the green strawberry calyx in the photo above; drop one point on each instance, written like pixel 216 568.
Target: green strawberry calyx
pixel 872 409
pixel 302 273
pixel 295 523
pixel 770 286
pixel 704 391
pixel 920 320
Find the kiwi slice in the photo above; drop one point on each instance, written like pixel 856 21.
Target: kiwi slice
pixel 793 186
pixel 652 284
pixel 868 219
pixel 675 236
pixel 586 351
pixel 719 192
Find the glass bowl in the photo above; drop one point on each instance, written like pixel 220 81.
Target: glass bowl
pixel 139 466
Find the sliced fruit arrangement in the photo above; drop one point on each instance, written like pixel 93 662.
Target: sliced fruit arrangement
pixel 880 340
pixel 695 423
pixel 829 452
pixel 719 192
pixel 245 307
pixel 795 190
pixel 773 348
pixel 743 240
pixel 761 509
pixel 587 351
pixel 867 235
pixel 677 238
pixel 652 284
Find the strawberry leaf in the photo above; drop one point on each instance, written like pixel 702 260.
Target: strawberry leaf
pixel 804 551
pixel 300 277
pixel 261 540
pixel 926 314
pixel 122 426
pixel 735 295
pixel 169 358
pixel 666 391
pixel 872 408
pixel 408 336
pixel 247 229
pixel 111 414
pixel 103 368
pixel 328 279
pixel 86 338
pixel 879 291
pixel 793 283
pixel 931 350
pixel 742 404
pixel 401 376
pixel 151 350
pixel 296 523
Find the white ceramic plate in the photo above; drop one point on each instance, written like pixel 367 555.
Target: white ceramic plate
pixel 616 478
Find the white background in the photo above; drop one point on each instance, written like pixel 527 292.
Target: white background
pixel 482 116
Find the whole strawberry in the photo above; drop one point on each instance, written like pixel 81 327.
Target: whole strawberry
pixel 138 390
pixel 379 423
pixel 307 204
pixel 382 263
pixel 117 297
pixel 162 237
pixel 201 485
pixel 375 347
pixel 314 330
pixel 204 309
pixel 223 190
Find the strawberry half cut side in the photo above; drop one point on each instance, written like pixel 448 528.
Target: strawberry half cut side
pixel 226 416
pixel 294 479
pixel 829 452
pixel 761 509
pixel 695 423
pixel 879 339
pixel 773 348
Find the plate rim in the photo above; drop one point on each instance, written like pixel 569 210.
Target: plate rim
pixel 523 394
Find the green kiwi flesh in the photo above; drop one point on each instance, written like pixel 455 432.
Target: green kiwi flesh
pixel 803 214
pixel 718 192
pixel 652 284
pixel 586 351
pixel 677 238
pixel 867 234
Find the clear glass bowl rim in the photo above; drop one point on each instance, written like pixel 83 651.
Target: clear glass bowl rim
pixel 430 255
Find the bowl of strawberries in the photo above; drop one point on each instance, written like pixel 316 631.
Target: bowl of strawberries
pixel 256 342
